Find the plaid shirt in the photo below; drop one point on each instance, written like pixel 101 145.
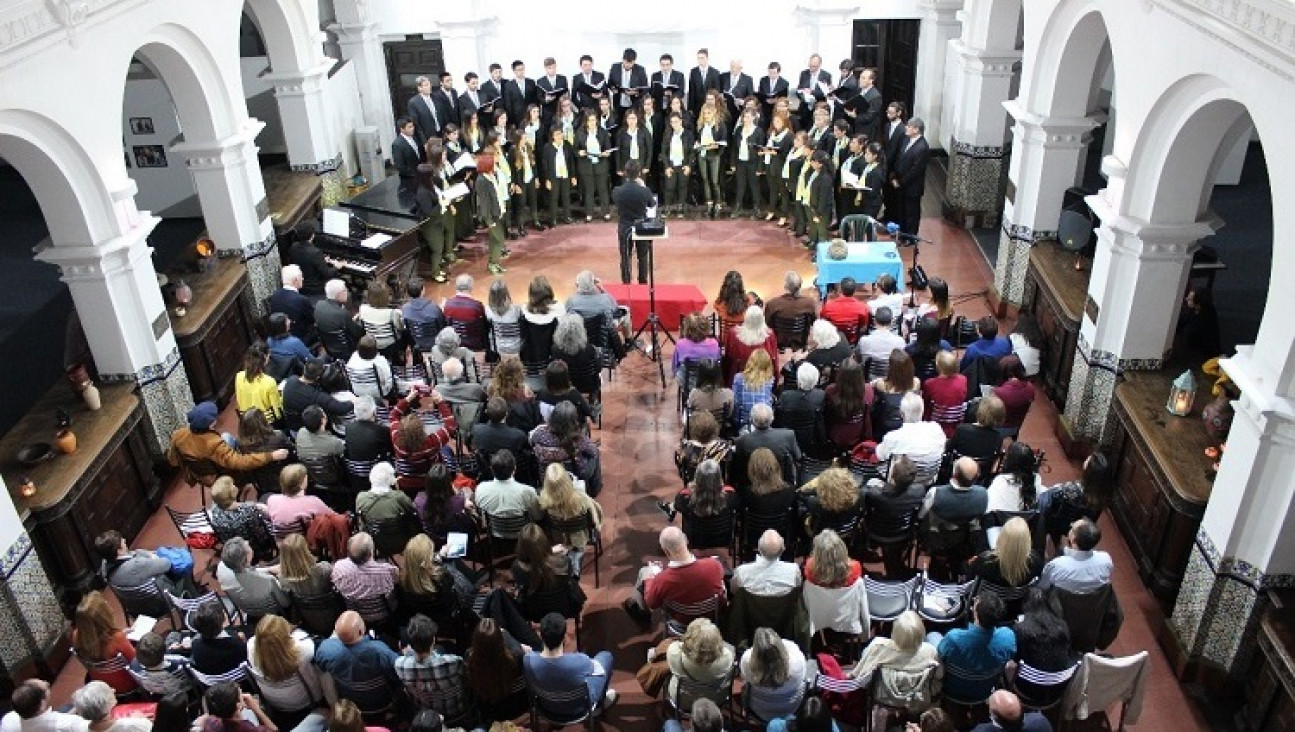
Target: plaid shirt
pixel 746 398
pixel 360 582
pixel 436 682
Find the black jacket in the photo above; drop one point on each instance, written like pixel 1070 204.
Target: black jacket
pixel 297 395
pixel 754 143
pixel 698 86
pixel 425 124
pixel 331 316
pixel 299 309
pixel 869 118
pixel 548 161
pixel 517 97
pixel 659 83
pixel 368 441
pixel 623 148
pixel 821 194
pixel 688 152
pixel 616 79
pixel 632 201
pixel 315 270
pixel 604 144
pixel 585 100
pixel 910 168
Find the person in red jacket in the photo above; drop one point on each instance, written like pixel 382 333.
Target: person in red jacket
pixel 415 447
pixel 946 394
pixel 684 579
pixel 845 311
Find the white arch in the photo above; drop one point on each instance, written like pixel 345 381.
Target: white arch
pixel 992 24
pixel 289 30
pixel 203 99
pixel 1069 56
pixel 72 196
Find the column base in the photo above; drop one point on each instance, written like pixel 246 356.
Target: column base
pixel 974 190
pixel 32 621
pixel 164 387
pixel 263 270
pixel 1015 243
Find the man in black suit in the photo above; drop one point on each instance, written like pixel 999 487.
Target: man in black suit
pixel 781 441
pixel 493 434
pixel 493 88
pixel 849 86
pixel 632 199
pixel 549 90
pixel 289 301
pixel 315 270
pixel 448 99
pixel 701 79
pixel 519 93
pixel 811 89
pixel 867 120
pixel 667 76
pixel 332 315
pixel 423 110
pixel 406 154
pixel 909 175
pixel 472 99
pixel 626 78
pixel 588 98
pixel 736 86
pixel 822 197
pixel 893 137
pixel 771 87
pixel 366 440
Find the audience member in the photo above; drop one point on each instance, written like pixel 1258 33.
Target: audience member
pixel 464 311
pixel 32 711
pixel 256 592
pixel 333 316
pixel 702 442
pixel 886 295
pixel 366 440
pixel 1026 339
pixel 743 340
pixel 540 564
pixel 683 579
pixel 560 499
pixel 773 669
pixel 1006 713
pixel 123 567
pixel 256 389
pixel 814 715
pixel 314 440
pixel 302 391
pixel 800 408
pixel 923 442
pixel 204 454
pixel 1043 644
pixel 215 650
pixel 226 705
pixel 359 576
pixel 369 370
pixel 791 304
pixel 354 660
pixel 504 317
pixel 889 504
pixel 433 679
pixel 710 393
pixel 905 651
pixel 1012 562
pixel 157 671
pixel 1016 486
pixel 284 345
pixel 695 342
pixel 494 667
pixel 416 447
pixel 300 572
pixel 768 575
pixel 503 496
pixel 833 500
pixel 1081 568
pixel 705 716
pixel 1017 393
pixel 958 502
pixel 563 440
pixel 289 300
pixel 702 657
pixel 763 434
pixel 974 655
pixel 233 518
pixel 553 671
pixel 732 302
pixel 752 386
pixel 990 344
pixel 827 349
pixel 590 300
pixel 846 311
pixel 875 348
pixel 888 393
pixel 705 497
pixel 945 394
pixel 980 440
pixel 283 665
pixel 494 434
pixel 848 406
pixel 292 504
pixel 766 491
pixel 558 388
pixel 829 563
pixel 1061 504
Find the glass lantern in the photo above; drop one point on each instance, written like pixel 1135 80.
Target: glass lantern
pixel 1182 394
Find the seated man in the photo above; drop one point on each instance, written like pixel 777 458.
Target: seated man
pixel 888 296
pixel 289 301
pixel 32 711
pixel 1005 713
pixel 354 661
pixel 359 576
pixel 332 316
pixel 125 568
pixel 683 579
pixel 434 680
pixel 284 346
pixel 456 389
pixel 302 391
pixel 256 592
pixel 495 434
pixel 800 408
pixel 590 301
pixel 157 671
pixel 315 270
pixel 216 650
pixel 844 310
pixel 293 504
pixel 464 309
pixel 922 442
pixel 877 345
pixel 779 440
pixel 789 305
pixel 227 706
pixel 366 440
pixel 422 314
pixel 552 670
pixel 974 656
pixel 205 454
pixel 313 439
pixel 504 496
pixel 768 575
pixel 989 345
pixel 1081 568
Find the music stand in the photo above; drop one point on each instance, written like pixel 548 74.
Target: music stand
pixel 653 322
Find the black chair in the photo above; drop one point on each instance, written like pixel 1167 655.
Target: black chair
pixel 189 523
pixel 392 534
pixel 357 473
pixel 328 480
pixel 495 537
pixel 712 532
pixel 504 331
pixel 678 615
pixel 1038 537
pixel 895 534
pixel 423 334
pixel 473 334
pixel 807 423
pixel 337 343
pixel 587 379
pixel 791 332
pixel 560 527
pixel 537 346
pixel 379 612
pixel 810 466
pixel 146 599
pixel 599 331
pixel 317 614
pixel 577 696
pixel 560 599
pixel 754 523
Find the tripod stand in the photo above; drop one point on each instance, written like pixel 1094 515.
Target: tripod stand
pixel 653 322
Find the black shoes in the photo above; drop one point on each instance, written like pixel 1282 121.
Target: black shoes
pixel 667 509
pixel 640 614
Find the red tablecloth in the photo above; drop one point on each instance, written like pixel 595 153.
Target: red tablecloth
pixel 672 302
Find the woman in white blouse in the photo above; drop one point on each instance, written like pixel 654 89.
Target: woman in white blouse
pixel 280 660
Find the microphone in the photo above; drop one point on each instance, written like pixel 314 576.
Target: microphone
pixel 892 229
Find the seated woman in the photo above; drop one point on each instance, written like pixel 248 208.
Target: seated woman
pixel 427 586
pixel 813 716
pixel 1017 483
pixel 256 389
pixel 539 320
pixel 448 345
pixel 284 672
pixel 695 342
pixel 745 339
pixel 256 434
pixel 833 502
pixel 706 497
pixel 1064 503
pixel 96 639
pixel 370 371
pixel 443 508
pixel 383 322
pixel 300 571
pixel 231 517
pixel 774 671
pixel 571 344
pixel 765 491
pixel 494 663
pixel 701 443
pixel 829 563
pixel 890 391
pixel 1017 394
pixel 563 440
pixel 946 394
pixel 558 388
pixel 905 651
pixel 503 314
pixel 1026 339
pixel 393 510
pixel 416 449
pixel 980 440
pixel 1043 644
pixel 732 302
pixel 827 349
pixel 889 503
pixel 754 385
pixel 508 382
pixel 539 563
pixel 710 394
pixel 559 499
pixel 96 703
pixel 1012 563
pixel 215 650
pixel 924 349
pixel 848 406
pixel 703 657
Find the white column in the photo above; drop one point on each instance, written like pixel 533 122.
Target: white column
pixel 940 25
pixel 114 289
pixel 829 31
pixel 461 42
pixel 312 141
pixel 357 36
pixel 1046 152
pixel 978 151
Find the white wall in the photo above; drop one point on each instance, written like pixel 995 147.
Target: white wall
pixel 343 102
pixel 261 103
pixel 161 190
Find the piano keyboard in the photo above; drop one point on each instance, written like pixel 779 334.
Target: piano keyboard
pixel 360 267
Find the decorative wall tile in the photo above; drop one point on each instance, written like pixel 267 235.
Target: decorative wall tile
pixel 975 178
pixel 263 270
pixel 30 617
pixel 334 187
pixel 164 387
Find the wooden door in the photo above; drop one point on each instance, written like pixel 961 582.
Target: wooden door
pixel 891 47
pixel 406 61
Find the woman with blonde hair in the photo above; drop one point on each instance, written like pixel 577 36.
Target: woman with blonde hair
pixel 829 563
pixel 753 386
pixel 905 651
pixel 980 440
pixel 774 671
pixel 231 517
pixel 702 657
pixel 743 340
pixel 96 638
pixel 560 499
pixel 281 664
pixel 712 134
pixel 1012 563
pixel 300 572
pixel 834 499
pixel 346 717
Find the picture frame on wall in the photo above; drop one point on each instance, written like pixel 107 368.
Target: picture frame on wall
pixel 141 125
pixel 150 156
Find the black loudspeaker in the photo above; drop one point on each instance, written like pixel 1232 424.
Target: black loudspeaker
pixel 918 275
pixel 1074 231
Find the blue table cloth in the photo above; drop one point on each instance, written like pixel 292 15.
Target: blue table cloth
pixel 867 261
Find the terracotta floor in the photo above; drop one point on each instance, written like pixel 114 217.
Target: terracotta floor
pixel 641 428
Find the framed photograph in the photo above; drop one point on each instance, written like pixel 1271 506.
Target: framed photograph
pixel 141 125
pixel 150 156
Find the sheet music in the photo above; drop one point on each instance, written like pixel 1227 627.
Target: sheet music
pixel 464 162
pixel 454 193
pixel 375 241
pixel 337 222
pixel 849 179
pixel 142 627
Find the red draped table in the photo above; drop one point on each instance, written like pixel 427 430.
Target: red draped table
pixel 672 302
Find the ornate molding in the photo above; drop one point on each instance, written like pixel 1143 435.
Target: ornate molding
pixel 983 152
pixel 148 374
pixel 1261 30
pixel 321 167
pixel 30 24
pixel 1237 569
pixel 259 249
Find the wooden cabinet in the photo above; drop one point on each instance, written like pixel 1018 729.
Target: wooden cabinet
pixel 1163 479
pixel 1270 692
pixel 108 483
pixel 216 331
pixel 1055 294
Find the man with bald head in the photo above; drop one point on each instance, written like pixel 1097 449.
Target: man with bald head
pixel 353 659
pixel 683 579
pixel 768 575
pixel 1005 713
pixel 953 508
pixel 361 577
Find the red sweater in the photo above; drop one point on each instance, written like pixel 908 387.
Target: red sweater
pixel 845 312
pixel 420 461
pixel 685 584
pixel 946 398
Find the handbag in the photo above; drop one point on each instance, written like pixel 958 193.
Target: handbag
pixel 848 707
pixel 200 540
pixel 653 675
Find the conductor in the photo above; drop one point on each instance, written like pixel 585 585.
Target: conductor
pixel 632 198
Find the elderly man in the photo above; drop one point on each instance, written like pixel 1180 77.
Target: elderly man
pixel 457 390
pixel 953 508
pixel 332 315
pixel 590 301
pixel 683 579
pixel 495 434
pixel 781 441
pixel 877 345
pixel 1005 713
pixel 256 592
pixel 361 577
pixel 32 711
pixel 800 409
pixel 125 568
pixel 463 308
pixel 355 661
pixel 504 496
pixel 789 305
pixel 768 575
pixel 289 301
pixel 1081 568
pixel 366 440
pixel 922 442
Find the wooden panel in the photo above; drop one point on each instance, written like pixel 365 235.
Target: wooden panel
pixel 216 331
pixel 293 197
pixel 1055 295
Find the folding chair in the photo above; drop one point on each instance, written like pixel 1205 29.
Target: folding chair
pixel 944 603
pixel 678 615
pixel 577 696
pixel 574 525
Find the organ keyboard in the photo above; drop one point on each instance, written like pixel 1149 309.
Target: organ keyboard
pixel 383 209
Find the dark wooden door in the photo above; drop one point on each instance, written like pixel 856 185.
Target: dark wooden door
pixel 890 46
pixel 406 61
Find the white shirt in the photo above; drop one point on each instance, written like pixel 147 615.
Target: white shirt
pixel 895 302
pixel 49 721
pixel 1005 493
pixel 914 439
pixel 1077 571
pixel 878 344
pixel 767 578
pixel 1028 354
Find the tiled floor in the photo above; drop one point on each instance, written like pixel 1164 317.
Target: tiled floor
pixel 641 428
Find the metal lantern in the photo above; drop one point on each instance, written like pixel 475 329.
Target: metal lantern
pixel 1182 394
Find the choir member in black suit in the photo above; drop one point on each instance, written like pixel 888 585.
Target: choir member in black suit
pixel 406 154
pixel 847 87
pixel 493 87
pixel 874 179
pixel 820 129
pixel 607 118
pixel 632 143
pixel 701 79
pixel 812 88
pixel 448 99
pixel 593 161
pixel 849 200
pixel 596 83
pixel 893 138
pixel 771 88
pixel 838 145
pixel 652 122
pixel 550 89
pixel 736 86
pixel 525 186
pixel 867 120
pixel 567 120
pixel 626 81
pixel 425 112
pixel 558 171
pixel 676 163
pixel 821 198
pixel 745 149
pixel 908 175
pixel 667 82
pixel 519 92
pixel 712 139
pixel 471 100
pixel 778 141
